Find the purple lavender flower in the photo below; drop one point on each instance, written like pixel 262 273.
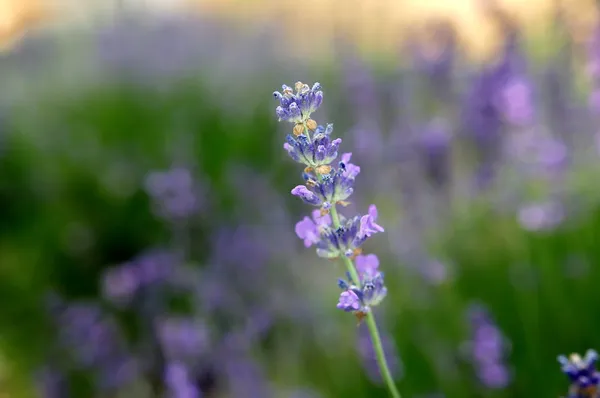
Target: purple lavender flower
pixel 371 291
pixel 486 350
pixel 182 337
pixel 436 58
pixel 367 264
pixel 538 153
pixel 121 284
pixel 351 170
pixel 174 192
pixel 516 102
pixel 246 378
pixel 94 342
pixel 360 89
pixel 434 147
pixel 593 64
pixel 307 195
pixel 328 186
pixel 585 379
pixel 348 238
pixel 317 151
pixel 310 230
pixel 297 107
pixel 368 226
pixel 177 380
pixel 349 301
pixel 340 237
pixel 541 216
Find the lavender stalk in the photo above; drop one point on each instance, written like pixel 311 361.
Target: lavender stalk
pixel 334 235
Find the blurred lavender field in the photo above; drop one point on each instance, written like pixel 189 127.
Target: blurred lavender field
pixel 147 244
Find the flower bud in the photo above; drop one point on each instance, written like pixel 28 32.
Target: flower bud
pixel 311 124
pixel 324 169
pixel 298 129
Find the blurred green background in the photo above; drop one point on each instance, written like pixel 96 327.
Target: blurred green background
pixel 84 119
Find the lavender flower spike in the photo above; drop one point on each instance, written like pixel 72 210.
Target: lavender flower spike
pixel 585 379
pixel 296 107
pixel 334 236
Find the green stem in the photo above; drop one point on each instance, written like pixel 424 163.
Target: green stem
pixel 370 318
pixel 383 365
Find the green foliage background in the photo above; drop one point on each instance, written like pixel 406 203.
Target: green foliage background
pixel 57 144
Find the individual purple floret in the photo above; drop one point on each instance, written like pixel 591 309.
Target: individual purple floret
pixel 368 226
pixel 310 230
pixel 486 350
pixel 585 379
pixel 372 289
pixel 348 238
pixel 328 186
pixel 296 107
pixel 349 301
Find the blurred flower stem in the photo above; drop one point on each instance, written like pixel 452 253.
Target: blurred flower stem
pixel 370 318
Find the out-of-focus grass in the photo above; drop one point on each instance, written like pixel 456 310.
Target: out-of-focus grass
pixel 51 180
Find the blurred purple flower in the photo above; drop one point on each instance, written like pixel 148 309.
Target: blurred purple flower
pixel 541 216
pixel 361 92
pixel 121 284
pixel 538 154
pixel 435 56
pixel 94 342
pixel 434 149
pixel 435 271
pixel 138 47
pixel 486 349
pixel 486 105
pixel 593 64
pixel 245 378
pixel 179 383
pixel 516 102
pixel 174 192
pixel 182 337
